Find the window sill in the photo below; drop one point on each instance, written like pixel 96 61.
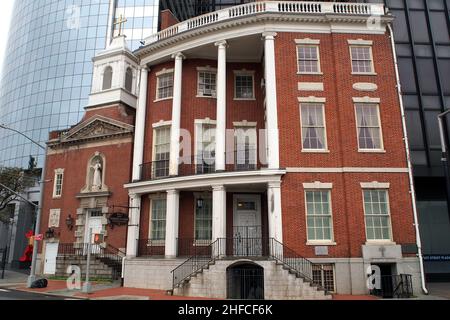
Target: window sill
pixel 364 74
pixel 156 243
pixel 202 243
pixel 208 97
pixel 315 151
pixel 321 243
pixel 310 73
pixel 380 242
pixel 244 99
pixel 371 151
pixel 163 99
pixel 57 197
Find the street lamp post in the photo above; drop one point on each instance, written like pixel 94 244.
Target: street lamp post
pixel 445 154
pixel 32 276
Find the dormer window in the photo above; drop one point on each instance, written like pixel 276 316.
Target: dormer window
pixel 129 79
pixel 107 78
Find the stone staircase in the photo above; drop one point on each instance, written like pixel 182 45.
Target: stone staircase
pixel 100 268
pixel 280 282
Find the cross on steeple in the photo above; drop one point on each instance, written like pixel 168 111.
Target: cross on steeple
pixel 120 22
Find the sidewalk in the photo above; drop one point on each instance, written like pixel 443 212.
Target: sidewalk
pixel 105 291
pixel 13 278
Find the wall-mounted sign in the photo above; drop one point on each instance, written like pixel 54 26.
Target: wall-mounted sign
pixel 436 257
pixel 118 219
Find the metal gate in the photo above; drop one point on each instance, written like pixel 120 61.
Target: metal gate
pixel 245 282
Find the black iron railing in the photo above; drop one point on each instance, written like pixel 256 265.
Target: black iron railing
pixel 244 247
pixel 3 261
pixel 149 247
pixel 240 160
pixel 108 255
pixel 157 169
pixel 394 286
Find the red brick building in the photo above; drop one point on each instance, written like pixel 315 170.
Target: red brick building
pixel 292 155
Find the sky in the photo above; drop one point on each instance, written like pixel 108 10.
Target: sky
pixel 7 6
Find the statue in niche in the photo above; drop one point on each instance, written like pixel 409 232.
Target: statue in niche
pixel 96 174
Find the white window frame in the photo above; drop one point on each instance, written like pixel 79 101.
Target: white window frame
pixel 377 104
pixel 198 131
pixel 372 64
pixel 58 172
pixel 156 197
pixel 322 278
pixel 244 73
pixel 201 242
pixel 156 127
pixel 376 241
pixel 327 188
pixel 159 74
pixel 310 45
pixel 325 147
pixel 244 125
pixel 200 93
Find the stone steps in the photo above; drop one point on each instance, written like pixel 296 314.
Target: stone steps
pixel 97 268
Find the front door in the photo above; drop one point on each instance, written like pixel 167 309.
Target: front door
pixel 51 252
pixel 94 227
pixel 247 225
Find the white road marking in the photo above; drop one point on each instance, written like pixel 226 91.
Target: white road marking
pixel 4 290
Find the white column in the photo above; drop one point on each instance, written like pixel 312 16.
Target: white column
pixel 221 117
pixel 172 220
pixel 219 218
pixel 275 219
pixel 133 225
pixel 271 101
pixel 139 130
pixel 176 114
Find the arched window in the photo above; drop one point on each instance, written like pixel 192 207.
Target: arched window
pixel 107 78
pixel 129 80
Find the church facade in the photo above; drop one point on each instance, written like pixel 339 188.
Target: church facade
pixel 255 152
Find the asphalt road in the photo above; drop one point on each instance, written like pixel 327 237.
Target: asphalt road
pixel 10 294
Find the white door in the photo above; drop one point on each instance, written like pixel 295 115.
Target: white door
pixel 51 252
pixel 247 225
pixel 94 227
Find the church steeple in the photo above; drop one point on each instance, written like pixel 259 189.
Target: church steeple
pixel 115 74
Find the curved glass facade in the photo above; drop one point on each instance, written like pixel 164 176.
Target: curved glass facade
pixel 47 70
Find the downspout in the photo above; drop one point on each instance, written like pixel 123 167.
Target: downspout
pixel 408 157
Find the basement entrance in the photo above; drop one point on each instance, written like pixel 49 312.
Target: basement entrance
pixel 245 281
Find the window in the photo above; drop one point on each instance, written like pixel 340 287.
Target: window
pixel 129 79
pixel 244 86
pixel 245 148
pixel 107 78
pixel 161 152
pixel 318 213
pixel 376 212
pixel 206 84
pixel 203 219
pixel 361 59
pixel 165 86
pixel 206 147
pixel 308 59
pixel 324 275
pixel 368 126
pixel 158 219
pixel 313 126
pixel 58 183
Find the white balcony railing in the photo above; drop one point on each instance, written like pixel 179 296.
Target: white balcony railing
pixel 290 7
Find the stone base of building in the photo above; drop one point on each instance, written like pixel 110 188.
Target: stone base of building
pixel 213 282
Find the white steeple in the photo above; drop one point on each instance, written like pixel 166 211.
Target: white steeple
pixel 115 74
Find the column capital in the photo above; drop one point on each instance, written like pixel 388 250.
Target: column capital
pixel 218 187
pixel 178 55
pixel 173 192
pixel 274 184
pixel 221 44
pixel 269 35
